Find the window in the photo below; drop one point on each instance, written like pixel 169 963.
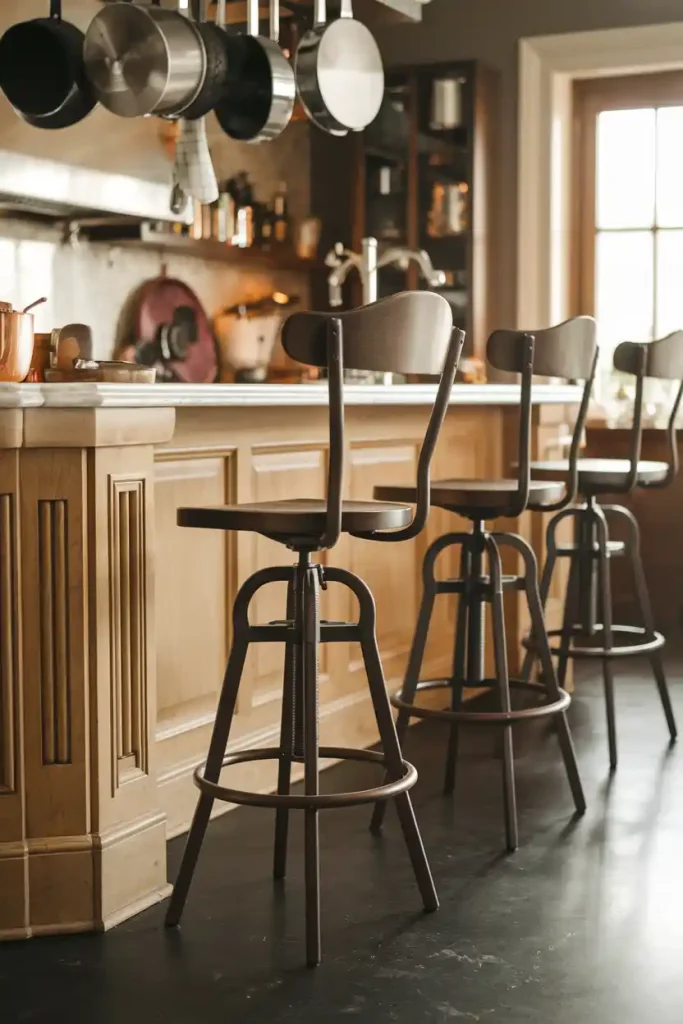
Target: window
pixel 628 173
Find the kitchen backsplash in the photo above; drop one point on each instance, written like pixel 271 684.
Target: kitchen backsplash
pixel 90 283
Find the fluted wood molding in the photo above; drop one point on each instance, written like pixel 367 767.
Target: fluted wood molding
pixel 8 644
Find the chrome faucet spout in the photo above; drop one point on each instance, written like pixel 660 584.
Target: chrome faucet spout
pixel 342 261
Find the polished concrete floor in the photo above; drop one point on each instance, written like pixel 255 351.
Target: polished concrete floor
pixel 584 924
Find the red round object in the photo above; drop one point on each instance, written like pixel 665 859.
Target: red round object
pixel 154 306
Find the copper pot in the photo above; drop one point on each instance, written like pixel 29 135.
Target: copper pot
pixel 16 343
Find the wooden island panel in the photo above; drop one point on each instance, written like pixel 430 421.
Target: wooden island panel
pixel 267 463
pixel 116 623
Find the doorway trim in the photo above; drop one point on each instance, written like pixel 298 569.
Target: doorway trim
pixel 548 65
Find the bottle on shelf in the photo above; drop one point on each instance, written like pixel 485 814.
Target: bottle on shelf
pixel 266 226
pixel 280 215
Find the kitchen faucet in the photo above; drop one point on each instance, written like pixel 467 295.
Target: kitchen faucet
pixel 368 264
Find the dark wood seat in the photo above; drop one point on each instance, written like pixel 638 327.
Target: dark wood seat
pixel 468 496
pixel 297 518
pixel 601 476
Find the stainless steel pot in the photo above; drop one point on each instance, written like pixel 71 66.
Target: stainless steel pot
pixel 339 72
pixel 261 89
pixel 144 60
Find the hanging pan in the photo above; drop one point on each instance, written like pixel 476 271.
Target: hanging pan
pixel 339 72
pixel 261 90
pixel 144 59
pixel 216 44
pixel 42 72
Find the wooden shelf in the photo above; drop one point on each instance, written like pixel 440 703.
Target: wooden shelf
pixel 145 237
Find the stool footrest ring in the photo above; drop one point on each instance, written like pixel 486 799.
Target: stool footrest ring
pixel 302 801
pixel 554 707
pixel 622 651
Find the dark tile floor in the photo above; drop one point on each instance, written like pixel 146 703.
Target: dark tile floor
pixel 584 924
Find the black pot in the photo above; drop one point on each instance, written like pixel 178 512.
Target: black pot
pixel 42 72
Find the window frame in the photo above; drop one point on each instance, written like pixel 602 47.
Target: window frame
pixel 592 97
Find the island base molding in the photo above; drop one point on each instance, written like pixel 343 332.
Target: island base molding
pixel 82 832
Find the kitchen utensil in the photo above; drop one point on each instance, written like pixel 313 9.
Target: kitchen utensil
pixel 69 343
pixel 193 171
pixel 110 372
pixel 32 305
pixel 155 305
pixel 261 88
pixel 216 45
pixel 144 60
pixel 339 72
pixel 246 339
pixel 40 358
pixel 42 72
pixel 16 343
pixel 446 103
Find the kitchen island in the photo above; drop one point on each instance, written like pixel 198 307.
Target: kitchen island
pixel 115 623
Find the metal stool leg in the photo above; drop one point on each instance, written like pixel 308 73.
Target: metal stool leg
pixel 310 646
pixel 430 590
pixel 545 657
pixel 388 736
pixel 546 581
pixel 605 598
pixel 502 674
pixel 411 680
pixel 292 665
pixel 570 614
pixel 643 597
pixel 458 672
pixel 219 742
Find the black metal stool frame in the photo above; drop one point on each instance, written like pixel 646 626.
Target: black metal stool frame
pixel 320 339
pixel 588 614
pixel 568 350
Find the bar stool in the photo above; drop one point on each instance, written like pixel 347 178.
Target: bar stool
pixel 387 336
pixel 588 612
pixel 568 351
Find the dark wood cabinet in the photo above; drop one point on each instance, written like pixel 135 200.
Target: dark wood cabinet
pixel 421 176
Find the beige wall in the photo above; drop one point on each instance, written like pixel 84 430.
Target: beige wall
pixel 489 30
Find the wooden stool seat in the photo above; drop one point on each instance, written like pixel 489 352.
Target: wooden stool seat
pixel 301 517
pixel 602 476
pixel 476 496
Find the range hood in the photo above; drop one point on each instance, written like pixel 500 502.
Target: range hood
pixel 46 188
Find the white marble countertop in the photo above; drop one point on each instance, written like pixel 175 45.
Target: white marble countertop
pixel 134 396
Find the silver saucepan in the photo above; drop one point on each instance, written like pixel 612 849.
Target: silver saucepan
pixel 339 72
pixel 144 60
pixel 261 90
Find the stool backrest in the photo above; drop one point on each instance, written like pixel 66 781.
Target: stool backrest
pixel 411 332
pixel 662 359
pixel 568 351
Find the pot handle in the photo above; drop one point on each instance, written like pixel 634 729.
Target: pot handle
pixel 320 14
pixel 252 18
pixel 346 9
pixel 275 21
pixel 56 9
pixel 220 14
